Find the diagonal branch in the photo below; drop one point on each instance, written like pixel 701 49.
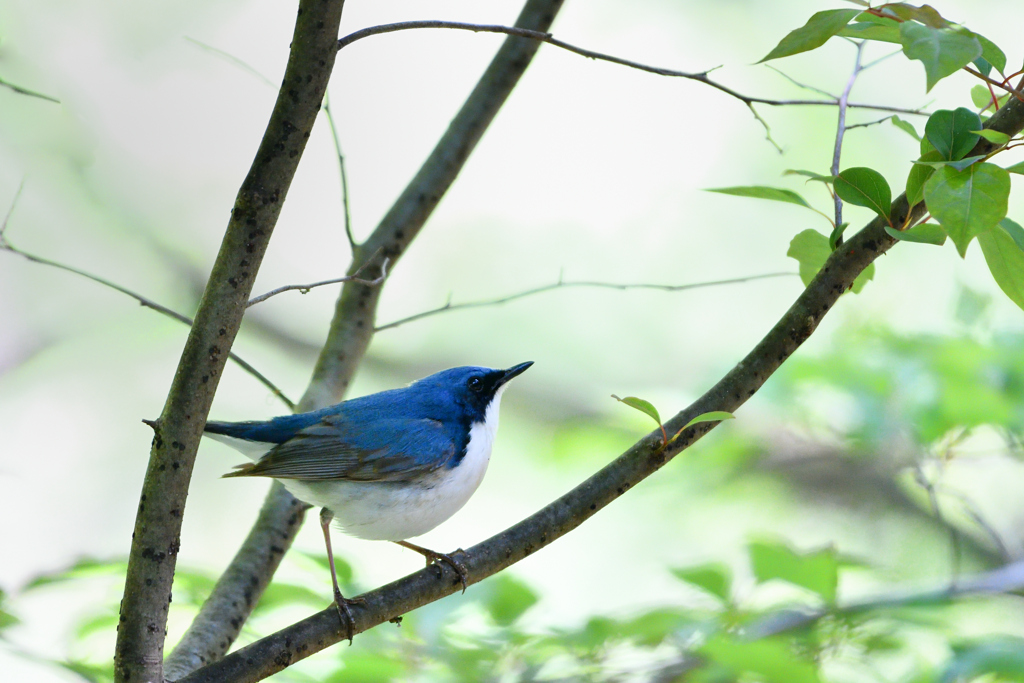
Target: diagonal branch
pixel 25 91
pixel 275 652
pixel 5 245
pixel 700 76
pixel 138 654
pixel 352 327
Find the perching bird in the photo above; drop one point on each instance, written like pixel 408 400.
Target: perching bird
pixel 388 466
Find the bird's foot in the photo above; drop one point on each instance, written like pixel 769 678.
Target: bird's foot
pixel 434 557
pixel 345 613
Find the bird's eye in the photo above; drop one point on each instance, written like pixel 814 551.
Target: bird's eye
pixel 475 384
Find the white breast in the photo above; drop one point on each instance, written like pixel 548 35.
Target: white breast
pixel 394 511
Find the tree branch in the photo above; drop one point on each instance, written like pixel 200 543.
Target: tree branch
pixel 701 76
pixel 275 652
pixel 142 627
pixel 344 176
pixel 352 326
pixel 565 284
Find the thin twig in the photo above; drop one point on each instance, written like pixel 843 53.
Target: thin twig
pixel 701 76
pixel 881 59
pixel 840 131
pixel 1001 85
pixel 235 61
pixel 344 177
pixel 562 284
pixel 305 288
pixel 25 91
pixel 805 86
pixel 767 128
pixel 869 123
pixel 146 303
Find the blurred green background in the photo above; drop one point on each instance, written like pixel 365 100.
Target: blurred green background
pixel 591 171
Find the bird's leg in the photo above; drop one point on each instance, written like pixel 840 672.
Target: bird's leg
pixel 433 556
pixel 340 601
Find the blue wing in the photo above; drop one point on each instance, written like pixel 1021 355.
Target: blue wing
pixel 395 449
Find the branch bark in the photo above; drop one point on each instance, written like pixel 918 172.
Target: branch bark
pixel 281 649
pixel 214 629
pixel 142 627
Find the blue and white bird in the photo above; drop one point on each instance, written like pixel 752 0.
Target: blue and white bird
pixel 388 466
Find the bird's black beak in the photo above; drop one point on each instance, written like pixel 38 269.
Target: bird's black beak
pixel 514 371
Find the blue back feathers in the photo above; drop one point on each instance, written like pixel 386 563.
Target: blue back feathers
pixel 391 436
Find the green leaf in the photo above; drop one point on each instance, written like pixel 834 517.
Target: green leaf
pixel 864 187
pixel 817 571
pixel 991 53
pixel 1000 655
pixel 926 233
pixel 769 659
pixel 1014 230
pixel 837 233
pixel 713 416
pixel 86 567
pixel 943 51
pixel 715 578
pixel 959 165
pixel 645 407
pixel 509 598
pixel 818 29
pixel 926 146
pixel 650 629
pixel 369 667
pixel 811 175
pixel 873 27
pixel 964 163
pixel 968 202
pixel 919 175
pixel 1017 168
pixel 993 136
pixel 926 14
pixel 762 192
pixel 905 126
pixel 1005 260
pixel 952 133
pixel 981 97
pixel 810 248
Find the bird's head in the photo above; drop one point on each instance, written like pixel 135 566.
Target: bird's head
pixel 472 389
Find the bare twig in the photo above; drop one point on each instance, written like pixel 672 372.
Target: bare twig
pixel 5 245
pixel 235 61
pixel 805 86
pixel 701 76
pixel 25 91
pixel 304 289
pixel 865 124
pixel 999 84
pixel 563 284
pixel 841 130
pixel 344 177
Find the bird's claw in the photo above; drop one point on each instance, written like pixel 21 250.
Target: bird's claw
pixel 449 559
pixel 345 613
